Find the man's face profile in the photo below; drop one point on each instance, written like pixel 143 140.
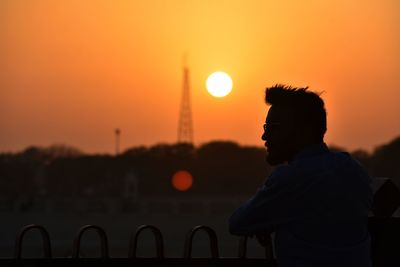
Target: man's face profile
pixel 278 135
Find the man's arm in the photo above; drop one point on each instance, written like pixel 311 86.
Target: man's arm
pixel 273 204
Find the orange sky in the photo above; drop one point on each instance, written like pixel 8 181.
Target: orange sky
pixel 71 71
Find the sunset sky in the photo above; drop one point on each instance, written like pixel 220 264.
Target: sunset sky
pixel 71 71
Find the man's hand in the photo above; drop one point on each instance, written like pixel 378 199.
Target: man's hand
pixel 264 239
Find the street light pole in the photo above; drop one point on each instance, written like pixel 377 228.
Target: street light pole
pixel 117 140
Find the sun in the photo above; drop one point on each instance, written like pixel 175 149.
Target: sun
pixel 219 84
pixel 182 180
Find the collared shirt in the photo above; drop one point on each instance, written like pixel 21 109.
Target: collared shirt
pixel 317 205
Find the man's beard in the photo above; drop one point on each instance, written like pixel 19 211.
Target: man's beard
pixel 281 155
pixel 274 159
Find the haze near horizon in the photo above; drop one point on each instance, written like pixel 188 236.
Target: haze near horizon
pixel 72 72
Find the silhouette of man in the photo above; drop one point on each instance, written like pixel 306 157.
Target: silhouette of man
pixel 316 201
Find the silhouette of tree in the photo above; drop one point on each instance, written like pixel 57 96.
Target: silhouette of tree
pixel 218 167
pixel 363 157
pixel 385 160
pixel 225 167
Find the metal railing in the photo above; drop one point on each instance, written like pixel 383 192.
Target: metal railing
pixel 385 233
pixel 132 259
pixel 158 238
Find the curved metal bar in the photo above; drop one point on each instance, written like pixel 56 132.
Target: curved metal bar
pixel 158 238
pixel 213 241
pixel 103 240
pixel 45 238
pixel 242 247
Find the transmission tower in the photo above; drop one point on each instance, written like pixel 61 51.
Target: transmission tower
pixel 185 127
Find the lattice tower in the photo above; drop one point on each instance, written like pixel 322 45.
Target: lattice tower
pixel 185 127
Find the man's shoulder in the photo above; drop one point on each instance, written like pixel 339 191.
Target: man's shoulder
pixel 282 170
pixel 333 157
pixel 281 174
pixel 329 161
pixel 333 162
pixel 345 158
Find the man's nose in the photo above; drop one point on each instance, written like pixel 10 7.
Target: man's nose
pixel 264 136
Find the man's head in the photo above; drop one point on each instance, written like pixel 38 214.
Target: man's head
pixel 296 119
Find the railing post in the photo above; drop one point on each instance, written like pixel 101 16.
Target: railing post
pixel 158 238
pixel 45 238
pixel 103 240
pixel 213 241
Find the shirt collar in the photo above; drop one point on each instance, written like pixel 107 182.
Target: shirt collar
pixel 312 150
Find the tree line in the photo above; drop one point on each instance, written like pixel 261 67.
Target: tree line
pixel 218 168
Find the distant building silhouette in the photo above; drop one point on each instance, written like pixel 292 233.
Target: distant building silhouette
pixel 131 188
